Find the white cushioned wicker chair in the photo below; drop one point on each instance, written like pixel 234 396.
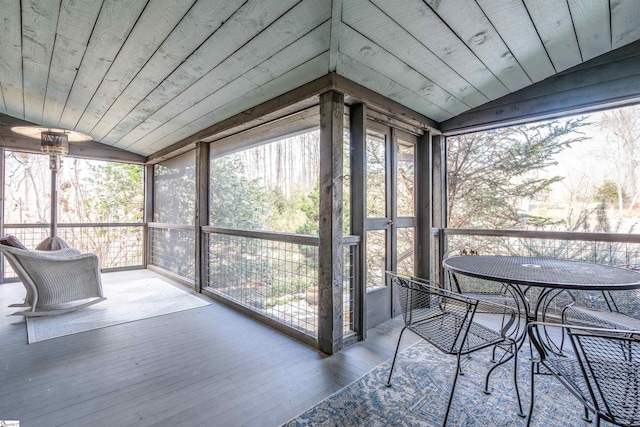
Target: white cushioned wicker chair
pixel 56 281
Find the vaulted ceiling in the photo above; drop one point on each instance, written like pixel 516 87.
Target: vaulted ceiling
pixel 142 75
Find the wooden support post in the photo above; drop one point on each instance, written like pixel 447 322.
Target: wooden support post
pixel 330 262
pixel 201 214
pixel 423 205
pixel 438 188
pixel 148 211
pixel 358 133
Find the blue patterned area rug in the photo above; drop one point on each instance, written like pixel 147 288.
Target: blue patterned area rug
pixel 420 389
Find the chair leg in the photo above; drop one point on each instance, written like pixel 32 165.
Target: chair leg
pixel 393 364
pixel 586 416
pixel 502 361
pixel 533 371
pixel 515 378
pixel 453 389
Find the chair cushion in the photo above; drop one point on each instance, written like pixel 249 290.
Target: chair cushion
pixel 13 241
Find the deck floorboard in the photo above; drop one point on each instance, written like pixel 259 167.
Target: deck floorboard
pixel 206 366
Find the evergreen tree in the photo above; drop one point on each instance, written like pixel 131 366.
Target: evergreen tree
pixel 490 173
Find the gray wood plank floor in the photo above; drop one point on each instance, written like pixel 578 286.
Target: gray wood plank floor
pixel 208 366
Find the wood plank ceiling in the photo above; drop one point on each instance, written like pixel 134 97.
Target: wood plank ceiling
pixel 141 75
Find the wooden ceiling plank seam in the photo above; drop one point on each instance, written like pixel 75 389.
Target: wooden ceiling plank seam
pixel 336 22
pixel 371 79
pixel 575 32
pixel 555 27
pixel 514 26
pixel 299 20
pixel 56 41
pixel 611 24
pixel 113 25
pixel 592 25
pixel 365 51
pixel 11 80
pixel 155 24
pixel 76 23
pixel 546 51
pixel 470 24
pixel 39 23
pixel 625 22
pixel 301 51
pixel 426 27
pixel 202 21
pixel 77 126
pixel 231 36
pixel 373 23
pixel 254 111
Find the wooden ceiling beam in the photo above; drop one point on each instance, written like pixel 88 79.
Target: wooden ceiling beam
pixel 292 102
pixel 610 80
pixel 249 118
pixel 87 150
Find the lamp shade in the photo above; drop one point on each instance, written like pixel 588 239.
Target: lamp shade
pixel 36 132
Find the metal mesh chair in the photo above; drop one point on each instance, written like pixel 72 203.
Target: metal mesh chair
pixel 603 372
pixel 608 309
pixel 472 287
pixel 446 320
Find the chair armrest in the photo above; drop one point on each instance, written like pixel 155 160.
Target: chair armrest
pixel 484 306
pixel 543 350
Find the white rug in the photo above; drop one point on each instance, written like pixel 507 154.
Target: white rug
pixel 126 302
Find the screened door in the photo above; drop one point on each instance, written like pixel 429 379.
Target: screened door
pixel 390 222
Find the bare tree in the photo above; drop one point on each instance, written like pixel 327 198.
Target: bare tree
pixel 623 129
pixel 28 185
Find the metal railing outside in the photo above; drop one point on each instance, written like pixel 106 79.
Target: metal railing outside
pixel 273 274
pixel 118 245
pixel 172 248
pixel 622 250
